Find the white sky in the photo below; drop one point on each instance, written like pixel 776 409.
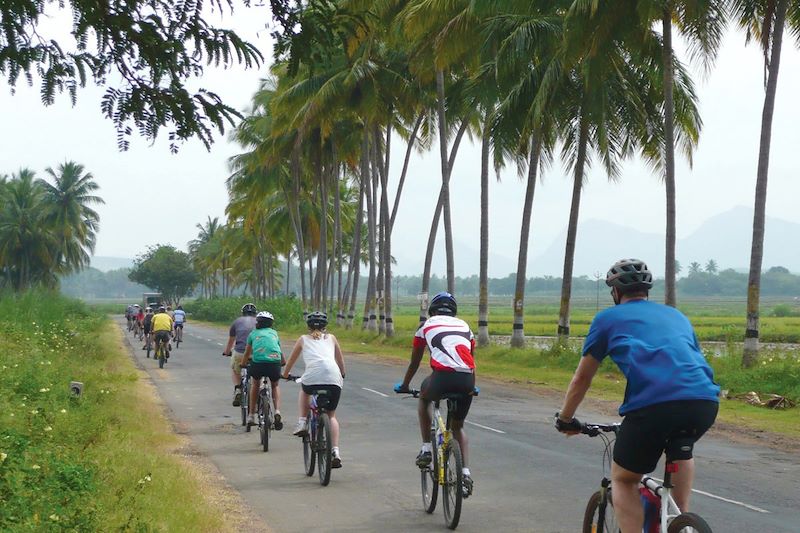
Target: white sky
pixel 153 196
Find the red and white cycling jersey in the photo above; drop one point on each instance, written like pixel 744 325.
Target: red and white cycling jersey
pixel 450 341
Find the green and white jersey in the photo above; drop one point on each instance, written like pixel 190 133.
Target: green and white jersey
pixel 266 345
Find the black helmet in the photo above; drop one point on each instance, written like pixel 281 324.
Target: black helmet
pixel 317 320
pixel 629 274
pixel 443 304
pixel 249 309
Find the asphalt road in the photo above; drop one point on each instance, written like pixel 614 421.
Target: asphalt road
pixel 527 476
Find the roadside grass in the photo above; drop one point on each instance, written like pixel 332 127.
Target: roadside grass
pixel 101 462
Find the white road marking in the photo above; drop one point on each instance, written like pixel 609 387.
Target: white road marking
pixel 727 500
pixel 484 427
pixel 376 392
pixel 219 344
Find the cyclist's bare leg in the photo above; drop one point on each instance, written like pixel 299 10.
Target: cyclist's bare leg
pixel 424 411
pixel 334 429
pixel 255 385
pixel 461 436
pixel 303 404
pixel 627 502
pixel 682 480
pixel 276 396
pixel 236 377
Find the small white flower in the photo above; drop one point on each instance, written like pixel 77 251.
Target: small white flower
pixel 3 456
pixel 35 412
pixel 48 428
pixel 63 411
pixel 54 517
pixel 43 389
pixel 36 467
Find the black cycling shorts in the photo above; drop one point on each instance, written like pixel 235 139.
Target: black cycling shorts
pixel 146 330
pixel 264 370
pixel 439 383
pixel 178 325
pixel 671 427
pixel 162 335
pixel 331 392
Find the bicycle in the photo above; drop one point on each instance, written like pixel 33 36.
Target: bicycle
pixel 137 330
pixel 161 352
pixel 245 387
pixel 599 516
pixel 178 335
pixel 148 343
pixel 446 469
pixel 317 443
pixel 265 414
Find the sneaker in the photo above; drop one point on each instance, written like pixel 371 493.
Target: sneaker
pixel 336 462
pixel 424 459
pixel 277 422
pixel 466 486
pixel 251 420
pixel 300 430
pixel 237 398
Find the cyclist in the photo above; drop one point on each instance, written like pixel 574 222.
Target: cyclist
pixel 671 398
pixel 147 326
pixel 162 327
pixel 139 316
pixel 128 315
pixel 237 339
pixel 179 319
pixel 324 370
pixel 263 359
pixel 452 346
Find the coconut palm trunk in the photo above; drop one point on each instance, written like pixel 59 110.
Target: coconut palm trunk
pixel 518 333
pixel 402 180
pixel 572 230
pixel 669 159
pixel 483 283
pixel 750 355
pixel 337 246
pixel 353 274
pixel 446 172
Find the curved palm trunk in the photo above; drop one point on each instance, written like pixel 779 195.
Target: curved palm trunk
pixel 297 223
pixel 445 196
pixel 483 283
pixel 351 288
pixel 750 355
pixel 669 161
pixel 572 231
pixel 368 320
pixel 518 333
pixel 402 181
pixel 377 175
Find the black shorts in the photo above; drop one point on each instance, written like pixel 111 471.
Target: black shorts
pixel 439 383
pixel 671 427
pixel 146 330
pixel 332 393
pixel 162 335
pixel 264 370
pixel 178 325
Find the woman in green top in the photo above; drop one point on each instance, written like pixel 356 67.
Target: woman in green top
pixel 264 348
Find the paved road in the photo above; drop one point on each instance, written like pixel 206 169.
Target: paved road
pixel 527 476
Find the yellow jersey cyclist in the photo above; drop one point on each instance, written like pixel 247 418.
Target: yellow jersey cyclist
pixel 452 345
pixel 671 398
pixel 162 327
pixel 237 341
pixel 264 359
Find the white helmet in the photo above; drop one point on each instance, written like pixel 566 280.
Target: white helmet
pixel 265 314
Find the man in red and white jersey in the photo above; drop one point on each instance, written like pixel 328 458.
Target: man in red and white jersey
pixel 452 345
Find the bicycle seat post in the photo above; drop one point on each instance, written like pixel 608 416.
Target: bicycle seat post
pixel 670 468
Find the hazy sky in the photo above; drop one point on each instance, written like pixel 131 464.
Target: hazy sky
pixel 153 196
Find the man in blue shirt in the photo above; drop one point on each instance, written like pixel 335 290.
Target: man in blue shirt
pixel 670 399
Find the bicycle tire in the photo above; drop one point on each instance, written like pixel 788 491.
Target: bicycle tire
pixel 429 479
pixel 160 356
pixel 688 522
pixel 244 404
pixel 309 444
pixel 264 417
pixel 452 490
pixel 324 449
pixel 591 517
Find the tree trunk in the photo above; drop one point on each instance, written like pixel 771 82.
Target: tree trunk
pixel 518 333
pixel 386 257
pixel 572 231
pixel 368 321
pixel 445 197
pixel 483 290
pixel 288 270
pixel 409 147
pixel 669 160
pixel 337 247
pixel 297 223
pixel 380 281
pixel 351 288
pixel 750 355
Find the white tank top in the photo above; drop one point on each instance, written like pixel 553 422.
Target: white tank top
pixel 320 361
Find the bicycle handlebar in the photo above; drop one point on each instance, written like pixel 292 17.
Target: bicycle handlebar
pixel 291 377
pixel 594 430
pixel 415 392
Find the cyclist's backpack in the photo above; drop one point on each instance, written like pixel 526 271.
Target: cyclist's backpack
pixel 652 511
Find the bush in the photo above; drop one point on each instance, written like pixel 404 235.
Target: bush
pixel 287 310
pixel 784 310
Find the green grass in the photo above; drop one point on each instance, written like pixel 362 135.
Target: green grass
pixel 103 462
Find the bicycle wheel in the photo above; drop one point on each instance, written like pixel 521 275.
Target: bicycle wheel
pixel 309 445
pixel 149 347
pixel 160 355
pixel 430 479
pixel 600 518
pixel 324 449
pixel 452 491
pixel 264 416
pixel 244 405
pixel 688 523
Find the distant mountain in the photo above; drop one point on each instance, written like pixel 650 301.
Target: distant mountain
pixel 105 264
pixel 724 238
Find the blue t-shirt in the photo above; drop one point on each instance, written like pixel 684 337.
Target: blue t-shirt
pixel 656 349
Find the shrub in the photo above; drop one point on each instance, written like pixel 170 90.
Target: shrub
pixel 784 310
pixel 287 310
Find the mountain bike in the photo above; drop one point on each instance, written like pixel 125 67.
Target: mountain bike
pixel 662 514
pixel 446 469
pixel 265 413
pixel 317 442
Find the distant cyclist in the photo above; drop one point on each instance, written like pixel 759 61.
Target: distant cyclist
pixel 324 370
pixel 237 340
pixel 129 316
pixel 162 327
pixel 452 347
pixel 179 319
pixel 147 326
pixel 671 399
pixel 263 359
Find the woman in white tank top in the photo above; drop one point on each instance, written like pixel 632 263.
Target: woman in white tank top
pixel 324 369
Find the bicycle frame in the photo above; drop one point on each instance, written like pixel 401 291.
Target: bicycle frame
pixel 443 436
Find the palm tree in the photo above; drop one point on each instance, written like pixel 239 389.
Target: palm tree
pixel 766 20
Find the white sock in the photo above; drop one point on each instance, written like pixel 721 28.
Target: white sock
pixel 426 447
pixel 465 470
pixel 335 451
pixel 301 420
